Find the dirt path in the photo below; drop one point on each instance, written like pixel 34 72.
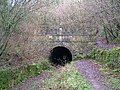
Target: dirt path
pixel 91 71
pixel 34 83
pixel 102 43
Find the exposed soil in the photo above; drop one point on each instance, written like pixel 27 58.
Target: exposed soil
pixel 102 43
pixel 91 71
pixel 34 83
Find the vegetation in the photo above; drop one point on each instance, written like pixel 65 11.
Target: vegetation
pixel 109 20
pixel 115 83
pixel 67 79
pixel 112 33
pixel 110 58
pixel 10 78
pixel 12 12
pixel 76 18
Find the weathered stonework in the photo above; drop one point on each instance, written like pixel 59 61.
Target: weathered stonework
pixel 45 42
pixel 73 26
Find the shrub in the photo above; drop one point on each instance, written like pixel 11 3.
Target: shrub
pixel 111 58
pixel 79 57
pixel 112 33
pixel 9 78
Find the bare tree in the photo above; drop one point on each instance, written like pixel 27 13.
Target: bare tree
pixel 109 19
pixel 12 12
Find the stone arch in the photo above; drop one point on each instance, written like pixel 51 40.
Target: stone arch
pixel 60 55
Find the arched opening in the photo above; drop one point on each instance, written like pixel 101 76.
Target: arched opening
pixel 60 56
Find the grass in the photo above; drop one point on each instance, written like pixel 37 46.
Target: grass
pixel 112 77
pixel 67 78
pixel 110 59
pixel 115 83
pixel 9 78
pixel 79 57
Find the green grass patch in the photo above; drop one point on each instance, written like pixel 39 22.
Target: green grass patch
pixel 68 78
pixel 9 78
pixel 115 83
pixel 79 57
pixel 110 58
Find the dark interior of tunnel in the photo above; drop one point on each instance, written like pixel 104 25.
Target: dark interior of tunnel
pixel 60 56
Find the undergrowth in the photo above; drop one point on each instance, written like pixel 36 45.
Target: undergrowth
pixel 114 82
pixel 111 60
pixel 68 78
pixel 9 78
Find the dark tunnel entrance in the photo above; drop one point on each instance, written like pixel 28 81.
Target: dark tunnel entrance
pixel 60 56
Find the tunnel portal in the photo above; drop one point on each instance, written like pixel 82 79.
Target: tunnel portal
pixel 60 56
